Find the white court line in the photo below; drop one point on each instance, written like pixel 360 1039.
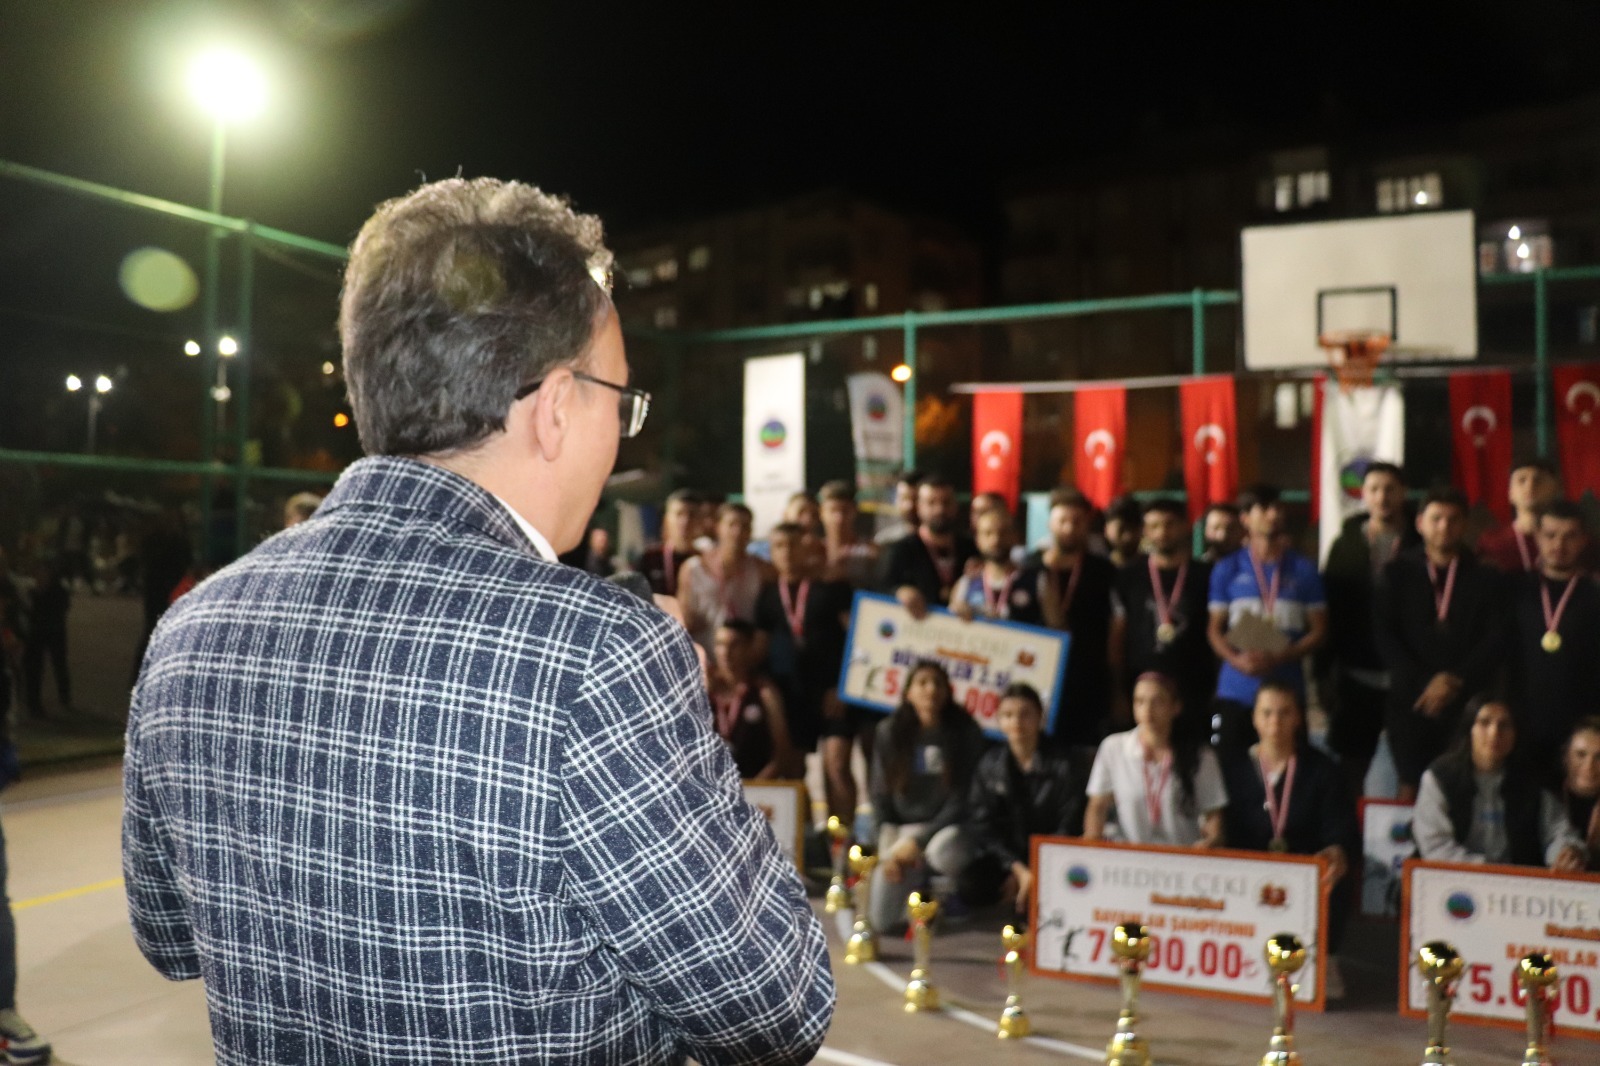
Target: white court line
pixel 846 1058
pixel 961 1014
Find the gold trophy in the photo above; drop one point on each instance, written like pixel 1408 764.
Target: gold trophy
pixel 1285 955
pixel 1014 1022
pixel 863 945
pixel 1538 976
pixel 1440 966
pixel 921 995
pixel 1131 945
pixel 838 897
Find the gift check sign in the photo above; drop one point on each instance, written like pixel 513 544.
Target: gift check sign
pixel 982 658
pixel 1209 914
pixel 1493 916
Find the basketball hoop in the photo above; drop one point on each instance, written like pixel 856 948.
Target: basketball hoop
pixel 1354 355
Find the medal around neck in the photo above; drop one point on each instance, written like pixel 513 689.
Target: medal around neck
pixel 1551 641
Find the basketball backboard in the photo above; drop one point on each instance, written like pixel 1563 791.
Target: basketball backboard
pixel 1411 277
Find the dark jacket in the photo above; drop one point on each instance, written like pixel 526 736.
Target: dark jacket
pixel 1007 806
pixel 1519 793
pixel 1086 688
pixel 1347 580
pixel 933 797
pixel 1321 812
pixel 909 563
pixel 1470 643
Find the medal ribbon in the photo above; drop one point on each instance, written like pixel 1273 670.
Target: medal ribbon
pixel 944 562
pixel 728 710
pixel 795 610
pixel 1269 594
pixel 1165 603
pixel 1072 588
pixel 1528 557
pixel 993 605
pixel 1152 796
pixel 1552 619
pixel 1441 601
pixel 1278 812
pixel 722 582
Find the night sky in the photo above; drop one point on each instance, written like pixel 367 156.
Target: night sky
pixel 654 113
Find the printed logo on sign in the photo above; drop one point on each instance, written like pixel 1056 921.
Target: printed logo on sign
pixel 1025 658
pixel 1400 833
pixel 877 408
pixel 1461 906
pixel 1352 475
pixel 1078 877
pixel 1273 895
pixel 773 434
pixel 886 629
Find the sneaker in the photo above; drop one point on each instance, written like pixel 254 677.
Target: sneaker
pixel 1333 981
pixel 22 1046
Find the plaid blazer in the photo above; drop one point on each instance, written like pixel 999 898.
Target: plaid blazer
pixel 402 791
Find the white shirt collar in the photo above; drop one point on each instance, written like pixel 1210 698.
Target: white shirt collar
pixel 540 545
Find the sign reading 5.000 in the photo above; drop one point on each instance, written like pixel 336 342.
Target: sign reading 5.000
pixel 1209 914
pixel 1493 916
pixel 981 657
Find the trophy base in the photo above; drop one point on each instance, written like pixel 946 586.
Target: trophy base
pixel 921 995
pixel 1014 1023
pixel 1437 1055
pixel 1536 1056
pixel 862 947
pixel 838 897
pixel 1281 1052
pixel 1127 1049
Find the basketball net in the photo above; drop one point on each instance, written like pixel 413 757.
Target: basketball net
pixel 1354 355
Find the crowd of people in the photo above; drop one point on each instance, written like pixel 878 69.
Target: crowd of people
pixel 1183 718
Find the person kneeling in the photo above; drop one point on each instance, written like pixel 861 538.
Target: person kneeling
pixel 750 715
pixel 1474 806
pixel 1023 787
pixel 922 765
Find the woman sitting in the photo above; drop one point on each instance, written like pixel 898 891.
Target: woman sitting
pixel 1473 806
pixel 1307 809
pixel 1022 787
pixel 1580 785
pixel 921 770
pixel 1164 790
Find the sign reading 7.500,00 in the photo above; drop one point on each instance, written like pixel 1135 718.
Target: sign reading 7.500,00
pixel 1209 914
pixel 982 658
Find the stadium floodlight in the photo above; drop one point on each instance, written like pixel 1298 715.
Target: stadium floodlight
pixel 74 383
pixel 191 348
pixel 227 84
pixel 901 373
pixel 102 384
pixel 227 347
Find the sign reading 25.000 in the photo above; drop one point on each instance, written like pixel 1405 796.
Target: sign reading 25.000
pixel 981 657
pixel 1209 914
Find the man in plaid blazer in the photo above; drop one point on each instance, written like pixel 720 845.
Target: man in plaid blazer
pixel 400 787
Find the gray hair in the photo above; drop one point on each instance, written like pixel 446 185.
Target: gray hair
pixel 455 296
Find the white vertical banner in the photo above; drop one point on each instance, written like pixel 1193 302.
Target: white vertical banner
pixel 1359 427
pixel 774 435
pixel 877 417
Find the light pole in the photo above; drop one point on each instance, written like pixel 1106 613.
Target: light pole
pixel 229 87
pixel 102 386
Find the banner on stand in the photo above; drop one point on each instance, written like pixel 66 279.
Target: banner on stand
pixel 774 436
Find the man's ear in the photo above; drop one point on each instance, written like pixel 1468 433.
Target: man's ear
pixel 550 418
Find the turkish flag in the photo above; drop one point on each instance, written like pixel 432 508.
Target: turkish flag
pixel 1480 417
pixel 1210 452
pixel 1578 425
pixel 1100 423
pixel 997 445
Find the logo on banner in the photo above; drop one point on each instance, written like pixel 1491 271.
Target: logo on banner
pixel 1078 877
pixel 1098 446
pixel 1215 435
pixel 1474 416
pixel 886 630
pixel 773 434
pixel 1579 390
pixel 1352 474
pixel 877 408
pixel 1461 906
pixel 994 448
pixel 1273 895
pixel 1400 833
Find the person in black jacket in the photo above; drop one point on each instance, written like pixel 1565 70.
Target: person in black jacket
pixel 1439 623
pixel 922 567
pixel 1363 548
pixel 1476 804
pixel 1023 787
pixel 1307 811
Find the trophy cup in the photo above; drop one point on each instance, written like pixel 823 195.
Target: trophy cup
pixel 1131 945
pixel 838 897
pixel 863 944
pixel 1285 955
pixel 921 995
pixel 1440 966
pixel 1014 1022
pixel 1538 976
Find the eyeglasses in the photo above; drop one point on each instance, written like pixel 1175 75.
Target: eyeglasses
pixel 633 404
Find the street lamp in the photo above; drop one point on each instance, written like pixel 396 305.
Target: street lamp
pixel 102 386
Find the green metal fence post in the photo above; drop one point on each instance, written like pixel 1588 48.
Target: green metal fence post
pixel 909 418
pixel 241 393
pixel 1541 362
pixel 1198 325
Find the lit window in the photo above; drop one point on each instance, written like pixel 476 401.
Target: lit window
pixel 667 269
pixel 1311 187
pixel 666 317
pixel 699 258
pixel 1418 192
pixel 1283 193
pixel 640 277
pixel 869 295
pixel 1386 196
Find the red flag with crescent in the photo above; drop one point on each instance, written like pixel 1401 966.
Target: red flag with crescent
pixel 997 445
pixel 1210 454
pixel 1100 418
pixel 1480 420
pixel 1577 399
